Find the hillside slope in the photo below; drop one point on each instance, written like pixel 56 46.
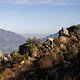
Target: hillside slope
pixel 57 59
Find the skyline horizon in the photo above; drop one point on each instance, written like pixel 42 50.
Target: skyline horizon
pixel 36 33
pixel 38 16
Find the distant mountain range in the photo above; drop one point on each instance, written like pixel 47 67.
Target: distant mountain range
pixel 10 41
pixel 37 35
pixel 51 35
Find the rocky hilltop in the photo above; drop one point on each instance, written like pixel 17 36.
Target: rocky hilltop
pixel 57 34
pixel 53 59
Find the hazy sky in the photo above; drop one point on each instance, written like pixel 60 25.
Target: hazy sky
pixel 38 16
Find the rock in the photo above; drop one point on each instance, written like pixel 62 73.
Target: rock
pixel 62 46
pixel 64 39
pixel 64 32
pixel 22 49
pixel 74 38
pixel 22 62
pixel 5 59
pixel 50 40
pixel 34 54
pixel 31 59
pixel 27 62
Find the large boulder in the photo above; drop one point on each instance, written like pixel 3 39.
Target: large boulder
pixel 63 32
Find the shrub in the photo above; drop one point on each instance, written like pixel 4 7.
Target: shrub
pixel 15 56
pixel 31 46
pixel 47 61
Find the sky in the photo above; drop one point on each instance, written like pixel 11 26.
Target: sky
pixel 38 16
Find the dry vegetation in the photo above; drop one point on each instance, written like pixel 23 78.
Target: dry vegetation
pixel 38 60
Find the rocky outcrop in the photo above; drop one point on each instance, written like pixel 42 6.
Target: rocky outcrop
pixel 63 32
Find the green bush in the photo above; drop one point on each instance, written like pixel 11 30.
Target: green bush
pixel 15 56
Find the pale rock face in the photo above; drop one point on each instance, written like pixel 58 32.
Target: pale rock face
pixel 63 39
pixel 5 59
pixel 64 32
pixel 22 62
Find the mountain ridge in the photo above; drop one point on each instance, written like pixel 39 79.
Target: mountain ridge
pixel 10 41
pixel 56 35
